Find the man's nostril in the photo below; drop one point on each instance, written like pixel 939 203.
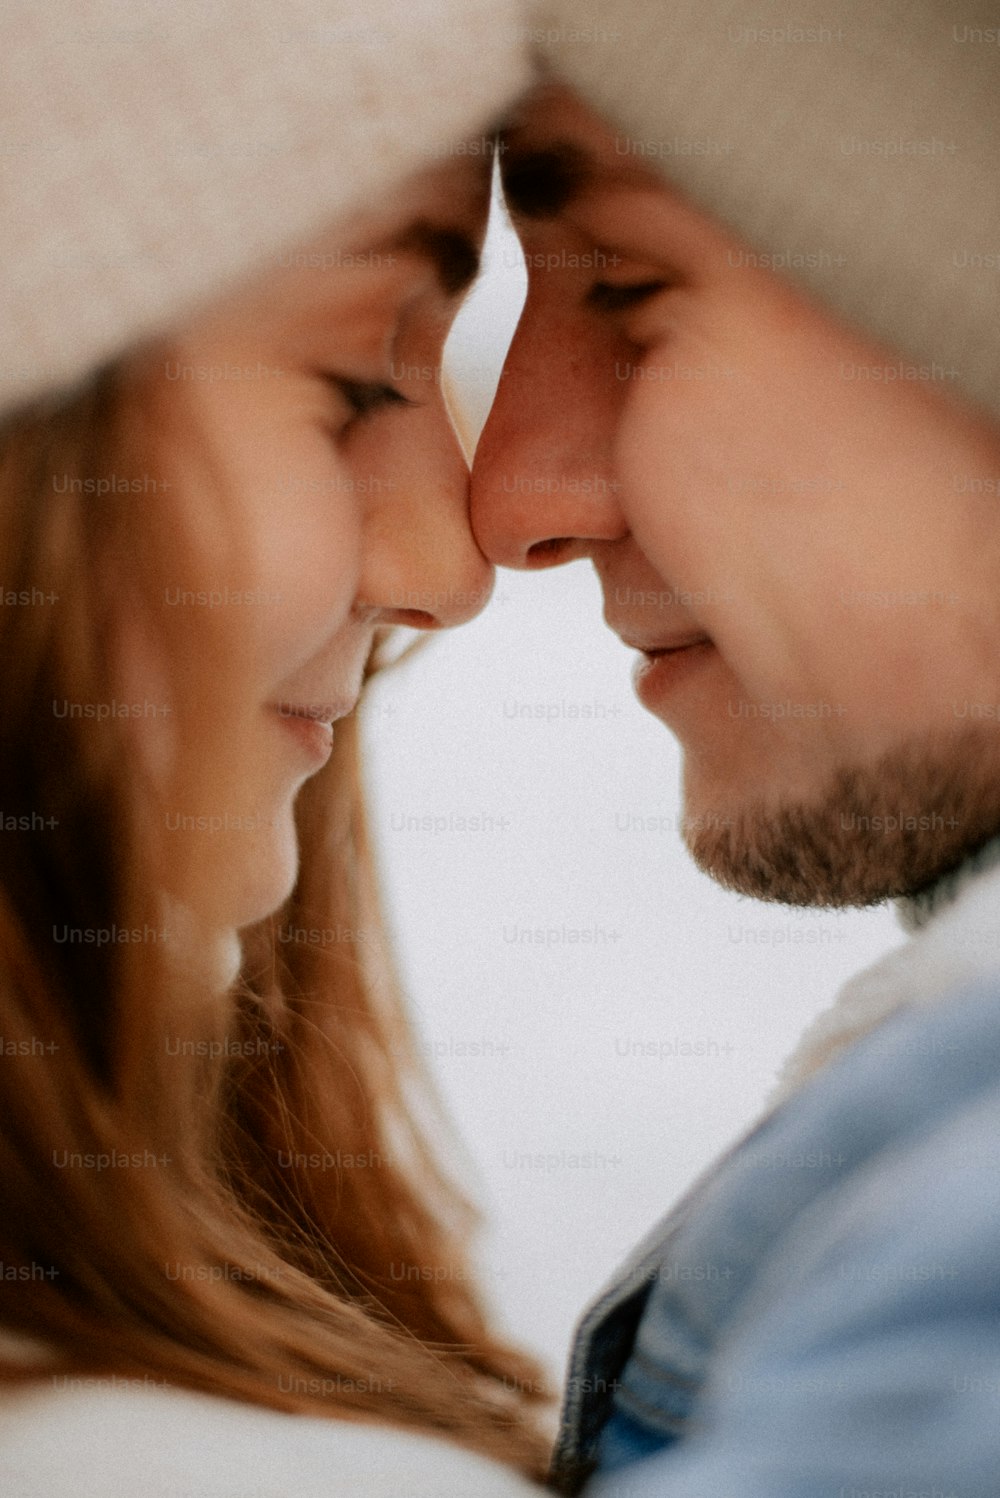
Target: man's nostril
pixel 543 553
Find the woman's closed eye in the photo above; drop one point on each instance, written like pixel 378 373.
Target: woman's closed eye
pixel 364 397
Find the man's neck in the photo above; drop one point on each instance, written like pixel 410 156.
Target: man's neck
pixel 914 911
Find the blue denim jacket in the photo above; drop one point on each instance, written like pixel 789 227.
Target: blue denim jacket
pixel 820 1316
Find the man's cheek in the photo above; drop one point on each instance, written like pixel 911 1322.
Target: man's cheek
pixel 710 532
pixel 674 461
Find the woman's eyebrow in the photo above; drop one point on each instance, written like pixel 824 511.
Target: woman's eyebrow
pixel 452 253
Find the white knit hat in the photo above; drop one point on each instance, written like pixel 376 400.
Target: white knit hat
pixel 152 153
pixel 855 145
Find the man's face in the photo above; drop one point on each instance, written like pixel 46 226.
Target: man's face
pixel 817 513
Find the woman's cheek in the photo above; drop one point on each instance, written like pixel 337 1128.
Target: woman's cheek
pixel 309 552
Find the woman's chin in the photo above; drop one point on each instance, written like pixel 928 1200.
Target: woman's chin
pixel 227 956
pixel 247 876
pixel 269 870
pixel 210 952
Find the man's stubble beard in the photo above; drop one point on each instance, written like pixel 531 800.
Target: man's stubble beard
pixel 842 849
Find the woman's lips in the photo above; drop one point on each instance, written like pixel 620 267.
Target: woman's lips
pixel 314 737
pixel 311 726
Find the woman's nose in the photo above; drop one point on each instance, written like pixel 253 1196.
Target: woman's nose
pixel 543 482
pixel 421 565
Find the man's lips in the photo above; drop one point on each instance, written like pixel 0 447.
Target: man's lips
pixel 669 658
pixel 652 647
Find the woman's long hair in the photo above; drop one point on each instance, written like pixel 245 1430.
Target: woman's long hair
pixel 230 1190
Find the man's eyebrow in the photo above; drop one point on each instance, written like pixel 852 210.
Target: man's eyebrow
pixel 540 183
pixel 454 256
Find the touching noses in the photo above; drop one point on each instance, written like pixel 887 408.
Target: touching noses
pixel 543 483
pixel 421 565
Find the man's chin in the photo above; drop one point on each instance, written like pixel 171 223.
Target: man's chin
pixel 873 833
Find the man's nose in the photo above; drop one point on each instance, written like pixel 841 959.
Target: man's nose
pixel 543 481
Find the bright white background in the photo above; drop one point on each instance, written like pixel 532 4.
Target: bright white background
pixel 593 1072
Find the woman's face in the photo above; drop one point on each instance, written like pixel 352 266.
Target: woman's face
pixel 312 403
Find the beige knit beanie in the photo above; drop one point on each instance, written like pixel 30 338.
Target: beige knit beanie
pixel 151 153
pixel 855 146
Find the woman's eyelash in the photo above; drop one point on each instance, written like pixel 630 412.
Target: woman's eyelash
pixel 605 296
pixel 366 396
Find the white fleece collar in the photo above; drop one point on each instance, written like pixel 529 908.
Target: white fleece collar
pixel 955 927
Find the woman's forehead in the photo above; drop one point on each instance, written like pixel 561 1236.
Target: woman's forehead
pixel 432 230
pixel 451 196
